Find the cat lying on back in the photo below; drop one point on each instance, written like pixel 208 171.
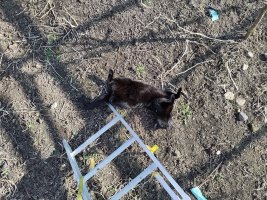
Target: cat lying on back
pixel 129 93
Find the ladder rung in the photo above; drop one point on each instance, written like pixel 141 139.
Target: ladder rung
pixel 134 182
pixel 166 187
pixel 95 136
pixel 107 160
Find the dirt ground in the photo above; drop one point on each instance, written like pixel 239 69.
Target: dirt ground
pixel 53 53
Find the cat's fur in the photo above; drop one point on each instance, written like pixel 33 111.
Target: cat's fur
pixel 129 93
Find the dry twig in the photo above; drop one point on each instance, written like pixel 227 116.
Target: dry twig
pixel 179 61
pixel 198 34
pixel 1 59
pixel 72 18
pixel 206 179
pixel 230 75
pixel 54 69
pixel 201 63
pixel 50 6
pixel 21 12
pixel 257 21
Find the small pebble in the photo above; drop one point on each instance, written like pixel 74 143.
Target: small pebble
pixel 54 106
pixel 253 128
pixel 229 96
pixel 250 54
pixel 240 101
pixel 218 152
pixel 178 154
pixel 242 117
pixel 263 57
pixel 63 167
pixel 37 65
pixel 13 46
pixel 245 67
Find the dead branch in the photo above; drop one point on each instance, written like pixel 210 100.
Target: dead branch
pixel 257 21
pixel 207 178
pixel 198 34
pixel 179 61
pixel 201 63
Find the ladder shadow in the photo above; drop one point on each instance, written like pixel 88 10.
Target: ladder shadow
pixel 36 183
pixel 32 93
pixel 232 154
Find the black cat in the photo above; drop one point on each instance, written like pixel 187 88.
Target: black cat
pixel 129 93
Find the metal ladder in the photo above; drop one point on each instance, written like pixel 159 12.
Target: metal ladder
pixel 156 165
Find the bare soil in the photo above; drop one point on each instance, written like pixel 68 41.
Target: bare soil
pixel 53 53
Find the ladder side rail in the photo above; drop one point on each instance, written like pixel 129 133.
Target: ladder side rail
pixel 76 170
pixel 166 187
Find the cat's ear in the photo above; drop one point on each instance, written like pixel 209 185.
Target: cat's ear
pixel 110 75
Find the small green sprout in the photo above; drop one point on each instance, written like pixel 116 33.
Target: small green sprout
pixel 56 152
pixel 51 38
pixel 219 177
pixel 123 113
pixel 186 112
pixel 147 2
pixel 140 69
pixel 49 54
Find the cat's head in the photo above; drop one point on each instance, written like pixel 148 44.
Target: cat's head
pixel 162 107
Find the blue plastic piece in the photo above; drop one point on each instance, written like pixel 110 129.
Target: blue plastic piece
pixel 213 14
pixel 197 193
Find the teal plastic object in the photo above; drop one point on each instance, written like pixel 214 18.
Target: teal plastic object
pixel 214 14
pixel 197 193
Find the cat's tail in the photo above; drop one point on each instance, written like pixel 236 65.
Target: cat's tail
pixel 98 101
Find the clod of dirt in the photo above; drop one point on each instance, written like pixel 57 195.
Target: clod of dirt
pixel 241 116
pixel 63 167
pixel 245 67
pixel 13 46
pixel 177 154
pixel 250 54
pixel 54 106
pixel 37 65
pixel 240 101
pixel 229 96
pixel 253 128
